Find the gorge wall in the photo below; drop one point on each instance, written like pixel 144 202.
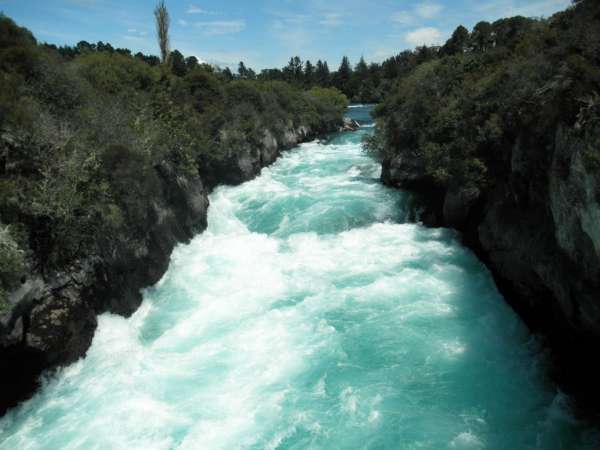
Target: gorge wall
pixel 52 317
pixel 538 230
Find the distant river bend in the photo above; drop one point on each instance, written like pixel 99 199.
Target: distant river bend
pixel 310 315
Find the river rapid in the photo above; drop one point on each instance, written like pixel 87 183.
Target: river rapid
pixel 314 313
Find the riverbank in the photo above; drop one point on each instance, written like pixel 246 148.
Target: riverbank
pixel 501 151
pixel 106 162
pixel 52 321
pixel 533 232
pixel 312 313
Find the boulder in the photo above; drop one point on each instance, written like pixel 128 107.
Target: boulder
pixel 349 125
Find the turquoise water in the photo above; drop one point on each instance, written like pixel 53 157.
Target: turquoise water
pixel 310 315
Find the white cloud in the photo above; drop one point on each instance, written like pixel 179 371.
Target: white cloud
pixel 428 10
pixel 194 9
pixel 418 13
pixel 218 27
pixel 183 23
pixel 423 36
pixel 331 20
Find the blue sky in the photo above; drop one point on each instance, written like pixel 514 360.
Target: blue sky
pixel 265 33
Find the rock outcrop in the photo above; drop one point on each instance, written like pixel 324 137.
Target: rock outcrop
pixel 538 230
pixel 349 125
pixel 52 318
pixel 244 160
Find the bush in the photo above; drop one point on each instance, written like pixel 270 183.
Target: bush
pixel 114 73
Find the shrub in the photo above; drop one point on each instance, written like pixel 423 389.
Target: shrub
pixel 114 73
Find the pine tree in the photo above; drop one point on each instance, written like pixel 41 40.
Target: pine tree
pixel 309 73
pixel 322 74
pixel 343 77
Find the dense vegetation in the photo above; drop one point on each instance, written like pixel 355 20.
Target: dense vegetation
pixel 85 132
pixel 362 83
pixel 514 81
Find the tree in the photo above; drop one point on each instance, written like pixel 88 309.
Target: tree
pixel 362 70
pixel 242 71
pixel 343 77
pixel 271 75
pixel 360 80
pixel 102 47
pixel 191 62
pixel 482 37
pixel 309 73
pixel 458 43
pixel 204 88
pixel 509 32
pixel 322 74
pixel 246 73
pixel 162 29
pixel 123 51
pixel 293 71
pixel 177 63
pixel 84 46
pixel 227 74
pixel 424 54
pixel 151 60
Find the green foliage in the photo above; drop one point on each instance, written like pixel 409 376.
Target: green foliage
pixel 87 131
pixel 517 79
pixel 178 64
pixel 365 83
pixel 115 73
pixel 328 103
pixel 205 89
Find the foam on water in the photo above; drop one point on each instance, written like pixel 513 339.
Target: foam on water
pixel 310 315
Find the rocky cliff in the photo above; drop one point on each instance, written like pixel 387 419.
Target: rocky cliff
pixel 51 319
pixel 538 230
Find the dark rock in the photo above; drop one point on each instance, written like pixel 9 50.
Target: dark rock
pixel 349 125
pixel 406 172
pixel 458 204
pixel 52 320
pixel 245 160
pixel 538 230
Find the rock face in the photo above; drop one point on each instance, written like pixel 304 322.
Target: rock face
pixel 52 319
pixel 538 230
pixel 349 125
pixel 244 160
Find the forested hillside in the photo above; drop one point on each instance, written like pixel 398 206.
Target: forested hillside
pixel 361 83
pixel 86 132
pixel 106 163
pixel 516 78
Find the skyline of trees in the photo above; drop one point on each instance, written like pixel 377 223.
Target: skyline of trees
pixel 361 82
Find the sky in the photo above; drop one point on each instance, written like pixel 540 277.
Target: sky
pixel 265 33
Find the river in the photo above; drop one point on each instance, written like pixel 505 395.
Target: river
pixel 312 314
